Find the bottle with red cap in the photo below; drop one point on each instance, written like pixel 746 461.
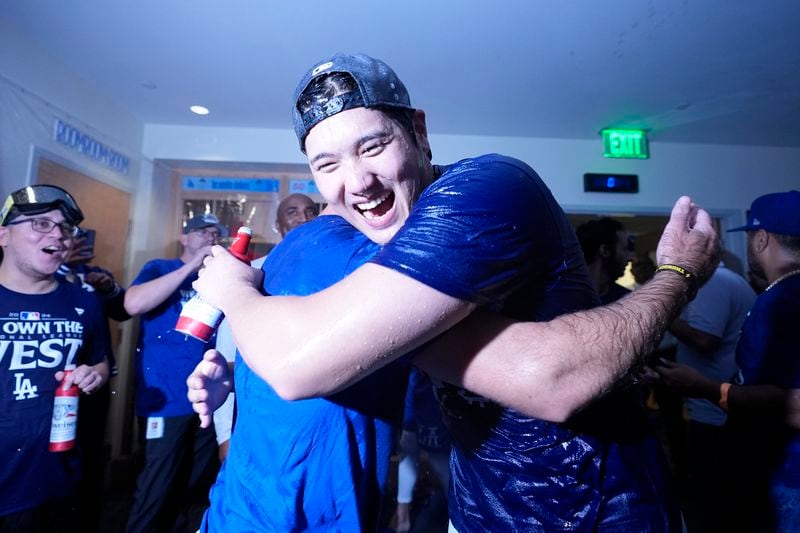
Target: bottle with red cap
pixel 199 319
pixel 64 424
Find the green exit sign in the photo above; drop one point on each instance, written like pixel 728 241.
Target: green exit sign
pixel 631 144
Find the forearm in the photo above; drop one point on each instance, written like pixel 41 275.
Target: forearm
pixel 316 345
pixel 147 296
pixel 550 370
pixel 767 402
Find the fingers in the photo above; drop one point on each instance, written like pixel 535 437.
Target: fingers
pixel 703 220
pixel 680 213
pixel 86 378
pixel 197 394
pixel 204 413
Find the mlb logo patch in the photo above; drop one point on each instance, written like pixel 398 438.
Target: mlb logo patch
pixel 29 315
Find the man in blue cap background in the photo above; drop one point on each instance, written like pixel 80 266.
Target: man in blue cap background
pixel 760 400
pixel 180 458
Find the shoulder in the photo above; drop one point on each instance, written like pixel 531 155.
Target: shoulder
pixel 76 295
pixel 328 247
pixel 487 168
pixel 158 267
pixel 324 235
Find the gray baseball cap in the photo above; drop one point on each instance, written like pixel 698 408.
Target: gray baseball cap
pixel 378 86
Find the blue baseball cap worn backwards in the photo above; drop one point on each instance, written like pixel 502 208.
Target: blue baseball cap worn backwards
pixel 777 212
pixel 377 86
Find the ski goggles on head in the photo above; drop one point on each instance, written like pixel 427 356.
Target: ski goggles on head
pixel 38 199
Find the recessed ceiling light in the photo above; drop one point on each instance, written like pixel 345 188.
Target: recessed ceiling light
pixel 199 110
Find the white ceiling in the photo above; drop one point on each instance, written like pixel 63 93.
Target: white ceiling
pixel 710 71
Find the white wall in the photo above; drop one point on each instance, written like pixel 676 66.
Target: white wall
pixel 724 179
pixel 35 90
pixel 720 177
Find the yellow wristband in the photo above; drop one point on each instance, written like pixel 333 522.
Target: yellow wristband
pixel 723 395
pixel 678 270
pixel 690 278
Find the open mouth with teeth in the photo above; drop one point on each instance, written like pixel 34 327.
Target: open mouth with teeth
pixel 377 207
pixel 52 249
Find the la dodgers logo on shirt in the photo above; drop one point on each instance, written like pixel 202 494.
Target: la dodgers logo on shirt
pixel 30 340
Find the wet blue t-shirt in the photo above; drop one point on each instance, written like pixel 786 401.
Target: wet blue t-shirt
pixel 318 464
pixel 39 335
pixel 767 354
pixel 489 231
pixel 165 357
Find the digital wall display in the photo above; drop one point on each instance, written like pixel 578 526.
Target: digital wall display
pixel 611 183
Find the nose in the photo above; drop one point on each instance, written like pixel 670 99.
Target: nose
pixel 360 179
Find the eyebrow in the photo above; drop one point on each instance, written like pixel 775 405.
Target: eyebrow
pixel 361 140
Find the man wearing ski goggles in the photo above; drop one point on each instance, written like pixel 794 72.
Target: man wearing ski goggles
pixel 48 327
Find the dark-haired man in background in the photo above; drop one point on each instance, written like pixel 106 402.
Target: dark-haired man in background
pixel 608 249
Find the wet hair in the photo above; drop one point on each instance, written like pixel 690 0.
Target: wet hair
pixel 323 88
pixel 595 233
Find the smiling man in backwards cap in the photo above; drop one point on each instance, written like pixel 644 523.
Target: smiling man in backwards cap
pixel 45 327
pixel 482 232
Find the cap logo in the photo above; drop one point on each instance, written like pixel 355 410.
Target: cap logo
pixel 756 222
pixel 321 68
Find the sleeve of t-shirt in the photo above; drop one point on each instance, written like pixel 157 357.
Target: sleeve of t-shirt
pixel 99 339
pixel 771 346
pixel 474 233
pixel 150 271
pixel 710 309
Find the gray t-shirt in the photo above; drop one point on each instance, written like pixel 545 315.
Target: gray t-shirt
pixel 719 309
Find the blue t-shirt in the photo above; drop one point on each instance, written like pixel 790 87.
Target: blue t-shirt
pixel 489 231
pixel 422 414
pixel 318 464
pixel 39 335
pixel 165 357
pixel 767 354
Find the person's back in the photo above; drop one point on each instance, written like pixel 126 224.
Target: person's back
pixel 572 475
pixel 318 463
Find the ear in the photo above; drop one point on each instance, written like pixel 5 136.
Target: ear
pixel 183 238
pixel 604 251
pixel 760 240
pixel 421 132
pixel 4 235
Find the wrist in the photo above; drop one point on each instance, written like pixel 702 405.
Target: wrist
pixel 234 296
pixel 724 389
pixel 689 278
